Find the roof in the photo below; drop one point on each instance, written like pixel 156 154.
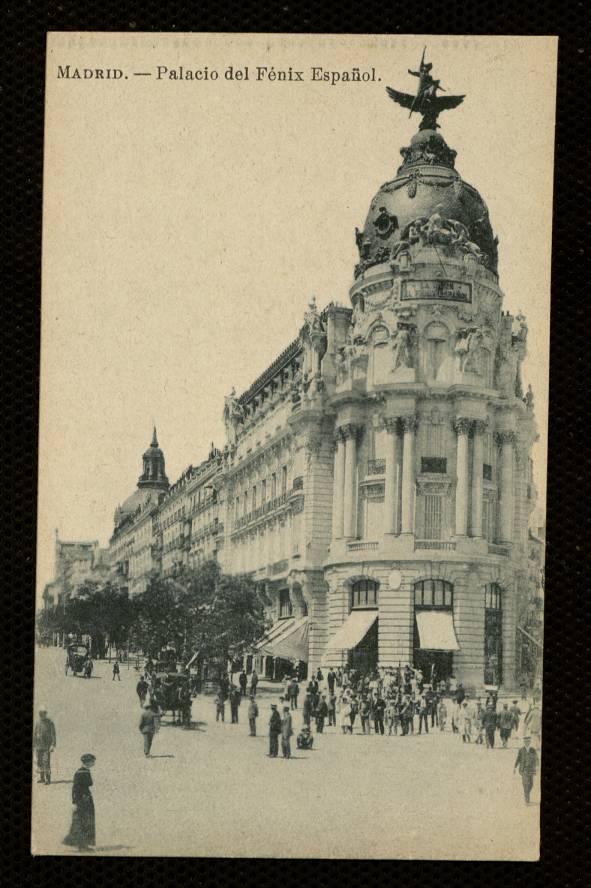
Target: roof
pixel 285 358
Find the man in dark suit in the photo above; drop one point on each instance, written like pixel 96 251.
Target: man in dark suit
pixel 274 731
pixel 527 762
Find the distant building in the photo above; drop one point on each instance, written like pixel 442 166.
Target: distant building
pixel 76 564
pixel 377 477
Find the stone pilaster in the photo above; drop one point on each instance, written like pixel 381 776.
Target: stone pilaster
pixel 469 626
pixel 462 428
pixel 391 484
pixel 350 433
pixel 337 611
pixel 507 442
pixel 338 487
pixel 479 428
pixel 409 425
pixel 396 618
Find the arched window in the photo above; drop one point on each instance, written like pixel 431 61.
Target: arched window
pixel 364 594
pixel 285 606
pixel 434 594
pixel 493 634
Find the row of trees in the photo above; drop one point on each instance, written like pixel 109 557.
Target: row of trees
pixel 198 610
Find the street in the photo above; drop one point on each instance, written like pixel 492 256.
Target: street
pixel 212 790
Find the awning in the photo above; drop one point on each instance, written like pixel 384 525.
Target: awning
pixel 263 645
pixel 293 644
pixel 353 630
pixel 436 630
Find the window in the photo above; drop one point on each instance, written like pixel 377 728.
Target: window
pixel 434 464
pixel 263 492
pixel 273 485
pixel 488 519
pixel 433 511
pixel 254 497
pixel 487 472
pixel 364 594
pixel 493 634
pixel 284 479
pixel 285 606
pixel 434 593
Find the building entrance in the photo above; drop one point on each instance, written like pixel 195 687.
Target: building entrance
pixel 364 657
pixel 433 664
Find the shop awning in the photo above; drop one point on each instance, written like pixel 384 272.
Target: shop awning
pixel 293 644
pixel 353 630
pixel 436 630
pixel 263 645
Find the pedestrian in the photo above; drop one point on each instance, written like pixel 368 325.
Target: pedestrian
pixel 142 690
pixel 432 700
pixel 390 713
pixel 82 830
pixel 460 693
pixel 516 712
pixel 423 714
pixel 442 715
pixel 489 723
pixel 465 723
pixel 286 732
pixel 364 715
pixel 253 714
pixel 332 710
pixel 274 731
pixel 527 762
pixel 319 676
pixel 305 740
pixel 331 679
pixel 406 715
pixel 243 681
pixel 220 707
pixel 345 716
pixel 379 708
pixel 505 722
pixel 88 667
pixel 44 742
pixel 234 705
pixel 321 715
pixel 116 670
pixel 293 689
pixel 148 726
pixel 354 711
pixel 307 710
pixel 533 725
pixel 254 680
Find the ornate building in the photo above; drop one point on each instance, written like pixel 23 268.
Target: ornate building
pixel 377 477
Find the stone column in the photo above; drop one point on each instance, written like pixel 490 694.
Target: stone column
pixel 462 427
pixel 390 485
pixel 507 442
pixel 338 487
pixel 350 433
pixel 409 424
pixel 479 427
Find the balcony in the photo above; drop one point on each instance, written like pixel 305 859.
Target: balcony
pixel 260 511
pixel 445 545
pixel 363 546
pixel 279 567
pixel 376 467
pixel 494 549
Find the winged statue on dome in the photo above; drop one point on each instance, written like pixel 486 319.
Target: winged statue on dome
pixel 426 101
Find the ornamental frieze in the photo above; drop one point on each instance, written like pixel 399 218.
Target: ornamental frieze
pixel 428 485
pixel 447 290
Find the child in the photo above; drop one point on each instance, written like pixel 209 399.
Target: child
pixel 305 740
pixel 220 707
pixel 442 715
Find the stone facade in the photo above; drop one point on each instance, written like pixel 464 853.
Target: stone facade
pixel 387 448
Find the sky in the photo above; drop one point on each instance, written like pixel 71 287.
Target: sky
pixel 187 224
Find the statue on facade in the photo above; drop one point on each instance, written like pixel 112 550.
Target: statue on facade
pixel 402 349
pixel 233 414
pixel 312 318
pixel 529 398
pixel 426 102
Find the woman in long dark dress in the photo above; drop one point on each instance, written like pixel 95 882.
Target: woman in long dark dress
pixel 82 831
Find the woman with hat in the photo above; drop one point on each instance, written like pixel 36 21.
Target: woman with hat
pixel 82 831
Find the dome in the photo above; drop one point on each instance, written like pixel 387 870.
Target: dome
pixel 426 184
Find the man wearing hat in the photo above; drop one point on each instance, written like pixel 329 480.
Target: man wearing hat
pixel 286 732
pixel 274 731
pixel 253 712
pixel 149 725
pixel 44 742
pixel 527 762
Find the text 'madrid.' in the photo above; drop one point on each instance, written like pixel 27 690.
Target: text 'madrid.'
pixel 246 73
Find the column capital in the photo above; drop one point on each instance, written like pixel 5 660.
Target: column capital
pixel 409 423
pixel 391 424
pixel 505 437
pixel 479 426
pixel 350 430
pixel 461 425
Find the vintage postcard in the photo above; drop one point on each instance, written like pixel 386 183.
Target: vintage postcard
pixel 294 411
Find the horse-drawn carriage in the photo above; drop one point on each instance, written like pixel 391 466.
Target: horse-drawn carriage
pixel 173 694
pixel 77 657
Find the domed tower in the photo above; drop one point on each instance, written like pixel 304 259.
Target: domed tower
pixel 432 471
pixel 154 474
